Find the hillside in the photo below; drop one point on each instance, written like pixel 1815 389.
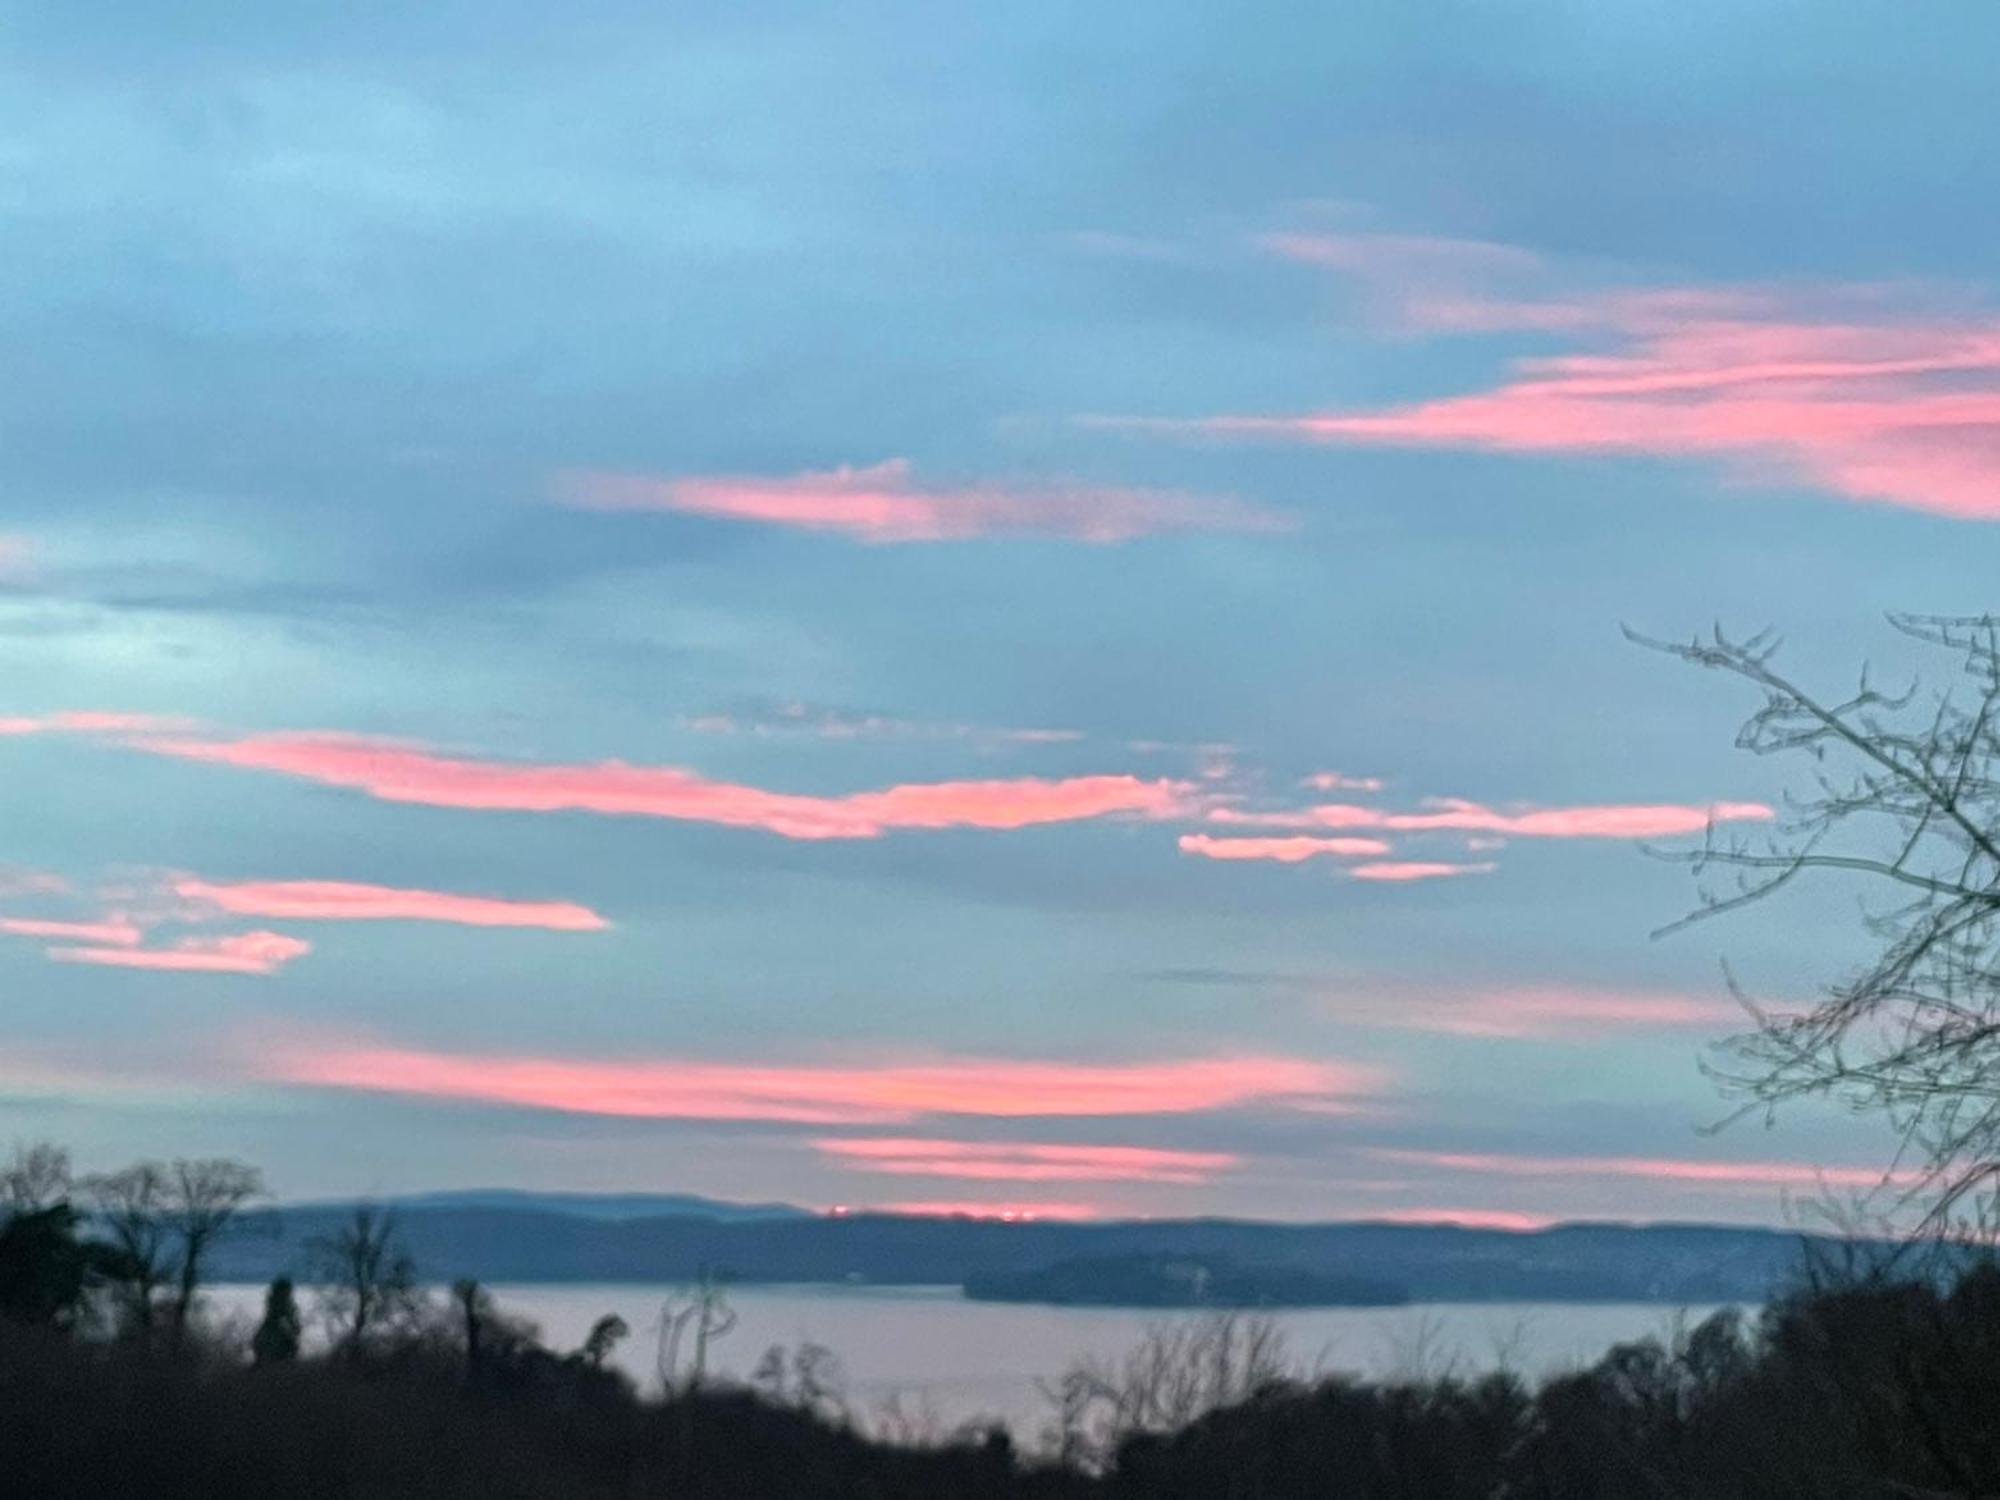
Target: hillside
pixel 1672 1263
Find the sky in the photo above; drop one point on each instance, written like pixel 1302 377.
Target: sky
pixel 1010 607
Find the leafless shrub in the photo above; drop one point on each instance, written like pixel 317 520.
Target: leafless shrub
pixel 1176 1373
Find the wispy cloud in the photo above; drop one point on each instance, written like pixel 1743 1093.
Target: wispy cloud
pixel 87 722
pixel 237 953
pixel 112 932
pixel 1289 850
pixel 1851 390
pixel 397 772
pixel 1749 1174
pixel 1403 870
pixel 1338 781
pixel 18 881
pixel 877 1094
pixel 824 722
pixel 1537 1011
pixel 117 937
pixel 348 901
pixel 883 503
pixel 1023 1161
pixel 1456 815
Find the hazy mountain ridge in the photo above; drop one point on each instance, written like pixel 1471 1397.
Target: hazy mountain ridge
pixel 612 1206
pixel 1685 1263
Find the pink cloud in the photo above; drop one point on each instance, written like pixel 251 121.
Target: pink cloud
pixel 83 721
pixel 1456 815
pixel 1653 1169
pixel 1837 389
pixel 1288 851
pixel 345 901
pixel 1546 1011
pixel 16 559
pixel 113 932
pixel 883 504
pixel 1466 1218
pixel 238 953
pixel 1400 258
pixel 1336 781
pixel 1399 870
pixel 885 1093
pixel 1024 1162
pixel 397 772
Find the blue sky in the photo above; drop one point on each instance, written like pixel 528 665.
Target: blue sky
pixel 898 605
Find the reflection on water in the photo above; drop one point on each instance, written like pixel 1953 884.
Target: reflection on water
pixel 957 1361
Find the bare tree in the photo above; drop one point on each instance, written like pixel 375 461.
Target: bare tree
pixel 131 1208
pixel 705 1309
pixel 37 1178
pixel 808 1377
pixel 202 1198
pixel 367 1280
pixel 1904 797
pixel 1178 1372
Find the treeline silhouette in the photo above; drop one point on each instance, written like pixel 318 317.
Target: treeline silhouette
pixel 1870 1381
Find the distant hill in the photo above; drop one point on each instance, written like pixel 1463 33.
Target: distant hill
pixel 1672 1263
pixel 584 1205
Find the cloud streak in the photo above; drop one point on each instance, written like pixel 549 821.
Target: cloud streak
pixel 1023 1161
pixel 237 953
pixel 397 772
pixel 1749 1174
pixel 883 504
pixel 1641 820
pixel 87 722
pixel 1839 389
pixel 1546 1012
pixel 1404 871
pixel 112 932
pixel 883 1093
pixel 348 901
pixel 1289 851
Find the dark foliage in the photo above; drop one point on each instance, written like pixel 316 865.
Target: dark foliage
pixel 1873 1388
pixel 79 1420
pixel 45 1269
pixel 1869 1391
pixel 276 1340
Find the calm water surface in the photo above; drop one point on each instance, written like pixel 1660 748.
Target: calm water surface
pixel 953 1360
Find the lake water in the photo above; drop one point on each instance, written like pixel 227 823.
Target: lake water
pixel 951 1361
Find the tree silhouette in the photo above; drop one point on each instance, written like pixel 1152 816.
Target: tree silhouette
pixel 38 1177
pixel 45 1268
pixel 202 1200
pixel 276 1340
pixel 367 1279
pixel 1904 796
pixel 131 1208
pixel 604 1337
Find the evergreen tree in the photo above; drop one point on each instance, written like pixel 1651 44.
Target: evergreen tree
pixel 276 1341
pixel 45 1269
